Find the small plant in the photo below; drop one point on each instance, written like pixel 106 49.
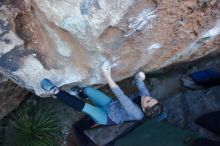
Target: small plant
pixel 32 127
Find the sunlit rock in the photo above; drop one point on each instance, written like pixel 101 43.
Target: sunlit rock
pixel 67 41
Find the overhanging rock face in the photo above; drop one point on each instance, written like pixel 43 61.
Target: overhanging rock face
pixel 67 41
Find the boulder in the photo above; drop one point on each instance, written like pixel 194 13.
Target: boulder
pixel 184 108
pixel 11 95
pixel 67 41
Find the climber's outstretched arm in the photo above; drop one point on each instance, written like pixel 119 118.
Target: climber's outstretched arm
pixel 131 108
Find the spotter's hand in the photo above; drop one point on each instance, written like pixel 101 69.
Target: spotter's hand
pixel 106 69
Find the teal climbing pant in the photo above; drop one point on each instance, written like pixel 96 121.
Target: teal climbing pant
pixel 98 112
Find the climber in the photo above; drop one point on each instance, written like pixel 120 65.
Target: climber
pixel 105 111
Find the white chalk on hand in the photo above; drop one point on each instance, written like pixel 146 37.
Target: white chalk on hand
pixel 142 75
pixel 105 65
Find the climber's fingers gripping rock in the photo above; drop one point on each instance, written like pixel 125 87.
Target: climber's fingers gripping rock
pixel 106 69
pixel 140 75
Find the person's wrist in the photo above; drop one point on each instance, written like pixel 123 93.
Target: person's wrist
pixel 140 78
pixel 137 77
pixel 108 78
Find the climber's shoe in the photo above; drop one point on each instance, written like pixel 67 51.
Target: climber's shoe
pixel 47 85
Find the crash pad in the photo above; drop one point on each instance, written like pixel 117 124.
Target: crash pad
pixel 153 133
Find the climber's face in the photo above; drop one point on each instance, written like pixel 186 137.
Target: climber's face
pixel 151 107
pixel 148 102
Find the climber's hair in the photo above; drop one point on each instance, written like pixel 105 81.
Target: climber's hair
pixel 153 111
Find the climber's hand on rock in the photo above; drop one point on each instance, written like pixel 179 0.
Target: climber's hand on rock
pixel 140 75
pixel 106 69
